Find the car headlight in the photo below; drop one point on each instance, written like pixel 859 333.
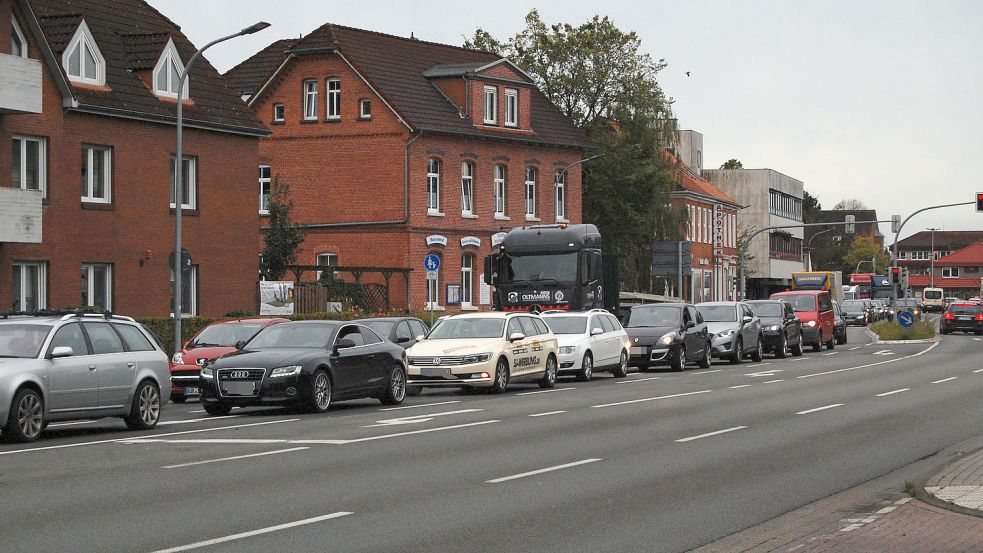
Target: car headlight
pixel 477 358
pixel 177 358
pixel 725 333
pixel 774 327
pixel 566 350
pixel 207 372
pixel 285 371
pixel 811 324
pixel 667 339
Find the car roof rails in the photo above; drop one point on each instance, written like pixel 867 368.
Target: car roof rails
pixel 81 313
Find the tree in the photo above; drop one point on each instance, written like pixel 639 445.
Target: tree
pixel 810 208
pixel 864 249
pixel 851 204
pixel 743 243
pixel 732 164
pixel 283 238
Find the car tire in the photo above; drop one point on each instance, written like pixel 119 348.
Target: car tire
pixel 586 368
pixel 321 391
pixel 842 338
pixel 678 362
pixel 178 398
pixel 25 421
pixel 414 391
pixel 217 409
pixel 831 343
pixel 395 388
pixel 781 350
pixel 145 410
pixel 501 382
pixel 621 370
pixel 758 354
pixel 705 360
pixel 737 353
pixel 549 376
pixel 797 348
pixel 817 346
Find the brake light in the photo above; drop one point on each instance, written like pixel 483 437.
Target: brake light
pixel 948 316
pixel 979 317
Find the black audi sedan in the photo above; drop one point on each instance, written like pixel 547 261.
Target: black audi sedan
pixel 671 334
pixel 781 330
pixel 308 365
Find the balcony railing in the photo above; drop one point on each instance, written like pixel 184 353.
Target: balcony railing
pixel 20 85
pixel 20 216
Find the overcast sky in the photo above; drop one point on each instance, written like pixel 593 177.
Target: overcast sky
pixel 880 101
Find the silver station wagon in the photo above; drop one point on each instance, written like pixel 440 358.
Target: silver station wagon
pixel 77 367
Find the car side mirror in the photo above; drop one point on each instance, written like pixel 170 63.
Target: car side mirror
pixel 690 324
pixel 402 339
pixel 240 344
pixel 516 336
pixel 747 319
pixel 420 337
pixel 61 351
pixel 344 343
pixel 596 331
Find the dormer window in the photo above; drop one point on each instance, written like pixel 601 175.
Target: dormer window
pixel 511 107
pixel 18 40
pixel 167 73
pixel 82 59
pixel 491 105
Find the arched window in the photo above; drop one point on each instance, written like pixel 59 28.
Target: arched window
pixel 433 186
pixel 531 192
pixel 467 188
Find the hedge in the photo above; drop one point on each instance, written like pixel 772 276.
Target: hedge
pixel 891 330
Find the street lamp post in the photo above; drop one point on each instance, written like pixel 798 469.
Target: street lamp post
pixel 178 176
pixel 932 258
pixel 897 233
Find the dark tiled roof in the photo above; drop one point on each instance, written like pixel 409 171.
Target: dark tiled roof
pixel 396 67
pixel 836 215
pixel 249 76
pixel 687 180
pixel 131 36
pixel 946 240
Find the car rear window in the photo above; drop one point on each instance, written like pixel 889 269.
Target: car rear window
pixel 965 309
pixel 135 340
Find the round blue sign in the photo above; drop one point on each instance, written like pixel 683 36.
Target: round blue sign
pixel 431 262
pixel 906 319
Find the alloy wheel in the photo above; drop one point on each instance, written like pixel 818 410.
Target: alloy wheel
pixel 30 416
pixel 322 391
pixel 149 408
pixel 397 385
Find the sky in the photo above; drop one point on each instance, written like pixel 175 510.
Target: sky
pixel 878 100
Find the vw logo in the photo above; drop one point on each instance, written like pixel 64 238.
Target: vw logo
pixel 436 361
pixel 239 374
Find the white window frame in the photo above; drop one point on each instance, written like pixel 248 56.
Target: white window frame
pixel 511 107
pixel 266 180
pixel 530 193
pixel 310 99
pixel 331 258
pixel 491 101
pixel 190 284
pixel 192 175
pixel 560 186
pixel 950 272
pixel 83 39
pixel 171 59
pixel 467 189
pixel 107 185
pixel 18 35
pixel 362 112
pixel 89 269
pixel 42 169
pixel 467 280
pixel 332 98
pixel 42 288
pixel 433 186
pixel 500 200
pixel 278 118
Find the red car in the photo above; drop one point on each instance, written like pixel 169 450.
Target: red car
pixel 212 342
pixel 815 309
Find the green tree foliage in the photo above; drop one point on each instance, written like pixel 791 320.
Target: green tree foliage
pixel 732 164
pixel 810 208
pixel 865 249
pixel 283 237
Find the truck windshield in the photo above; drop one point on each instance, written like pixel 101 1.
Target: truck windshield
pixel 536 267
pixel 933 294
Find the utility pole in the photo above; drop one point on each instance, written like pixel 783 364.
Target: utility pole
pixel 932 254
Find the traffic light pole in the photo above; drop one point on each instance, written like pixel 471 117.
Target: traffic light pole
pixel 742 251
pixel 897 233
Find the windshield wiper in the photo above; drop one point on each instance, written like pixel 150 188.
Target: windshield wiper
pixel 203 345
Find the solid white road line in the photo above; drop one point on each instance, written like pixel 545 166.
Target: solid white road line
pixel 760 365
pixel 817 409
pixel 978 371
pixel 137 438
pixel 252 533
pixel 774 381
pixel 182 465
pixel 895 360
pixel 637 380
pixel 708 434
pixel 740 386
pixel 830 353
pixel 855 348
pixel 545 391
pixel 237 441
pixel 168 423
pixel 198 411
pixel 547 413
pixel 541 471
pixel 945 380
pixel 651 399
pixel 707 372
pixel 800 359
pixel 893 392
pixel 421 405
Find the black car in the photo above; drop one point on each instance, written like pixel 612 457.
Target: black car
pixel 967 317
pixel 398 330
pixel 857 312
pixel 781 330
pixel 839 324
pixel 667 334
pixel 306 364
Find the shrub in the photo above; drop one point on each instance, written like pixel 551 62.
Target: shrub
pixel 890 330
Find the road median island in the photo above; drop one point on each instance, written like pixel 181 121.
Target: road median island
pixel 891 331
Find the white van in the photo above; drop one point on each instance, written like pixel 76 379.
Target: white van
pixel 932 299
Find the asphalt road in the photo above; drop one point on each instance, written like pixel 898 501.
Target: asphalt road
pixel 659 461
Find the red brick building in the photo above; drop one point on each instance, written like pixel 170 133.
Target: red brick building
pixel 96 153
pixel 959 274
pixel 395 148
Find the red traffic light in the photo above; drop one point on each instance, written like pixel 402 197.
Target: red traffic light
pixel 896 275
pixel 979 201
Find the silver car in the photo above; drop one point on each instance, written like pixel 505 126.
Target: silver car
pixel 78 367
pixel 735 330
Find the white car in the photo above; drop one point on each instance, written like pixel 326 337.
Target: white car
pixel 484 350
pixel 589 341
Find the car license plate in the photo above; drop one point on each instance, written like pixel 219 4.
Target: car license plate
pixel 435 372
pixel 192 391
pixel 238 388
pixel 638 351
pixel 964 318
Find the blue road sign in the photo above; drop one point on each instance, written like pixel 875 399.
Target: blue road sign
pixel 906 319
pixel 431 262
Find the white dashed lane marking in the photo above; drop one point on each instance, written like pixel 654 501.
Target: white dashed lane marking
pixel 708 434
pixel 541 471
pixel 817 409
pixel 893 392
pixel 945 380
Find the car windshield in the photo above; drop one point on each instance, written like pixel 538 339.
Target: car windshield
pixel 22 340
pixel 560 267
pixel 567 325
pixel 770 310
pixel 718 313
pixel 854 306
pixel 965 309
pixel 225 335
pixel 456 329
pixel 801 303
pixel 383 328
pixel 656 315
pixel 298 335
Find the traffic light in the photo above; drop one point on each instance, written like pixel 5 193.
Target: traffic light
pixel 896 275
pixel 979 201
pixel 850 226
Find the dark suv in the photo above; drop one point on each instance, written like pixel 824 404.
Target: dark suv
pixel 671 334
pixel 962 316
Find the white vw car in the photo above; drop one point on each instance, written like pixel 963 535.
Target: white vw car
pixel 484 350
pixel 589 341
